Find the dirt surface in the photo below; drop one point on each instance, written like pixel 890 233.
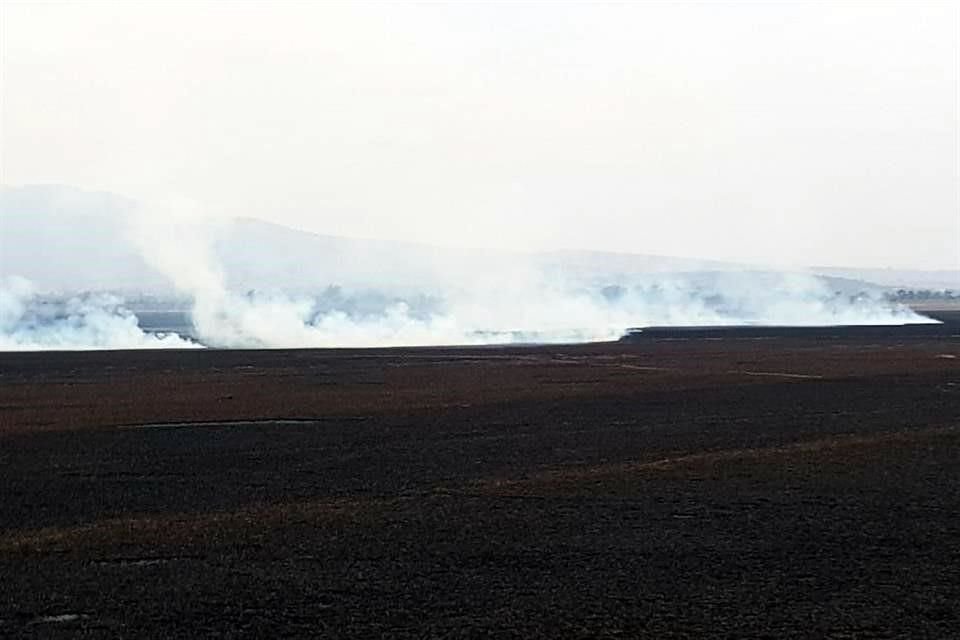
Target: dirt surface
pixel 672 487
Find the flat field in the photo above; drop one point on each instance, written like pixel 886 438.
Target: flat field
pixel 678 486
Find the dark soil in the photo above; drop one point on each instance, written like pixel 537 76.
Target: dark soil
pixel 698 486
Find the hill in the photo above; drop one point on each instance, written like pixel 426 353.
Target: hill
pixel 66 239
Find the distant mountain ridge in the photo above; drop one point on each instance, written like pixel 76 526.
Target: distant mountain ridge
pixel 62 239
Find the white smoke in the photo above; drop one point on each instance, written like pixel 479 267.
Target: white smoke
pixel 516 303
pixel 494 301
pixel 91 321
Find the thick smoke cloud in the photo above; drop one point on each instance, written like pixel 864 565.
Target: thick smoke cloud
pixel 517 302
pixel 493 300
pixel 91 321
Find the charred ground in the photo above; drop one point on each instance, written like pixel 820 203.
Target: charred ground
pixel 798 486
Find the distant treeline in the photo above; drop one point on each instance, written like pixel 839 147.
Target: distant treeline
pixel 913 295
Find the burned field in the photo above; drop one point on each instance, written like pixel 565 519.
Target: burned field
pixel 675 486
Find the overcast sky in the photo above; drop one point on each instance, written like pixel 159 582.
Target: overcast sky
pixel 804 133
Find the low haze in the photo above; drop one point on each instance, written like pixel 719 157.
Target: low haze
pixel 776 133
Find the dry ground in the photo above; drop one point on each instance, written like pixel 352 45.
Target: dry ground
pixel 693 487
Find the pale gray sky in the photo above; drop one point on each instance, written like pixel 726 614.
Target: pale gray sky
pixel 804 133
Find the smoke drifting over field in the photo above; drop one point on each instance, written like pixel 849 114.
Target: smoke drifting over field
pixel 473 301
pixel 89 321
pixel 228 319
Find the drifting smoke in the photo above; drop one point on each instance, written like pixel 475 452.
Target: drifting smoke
pixel 518 303
pixel 92 321
pixel 488 302
pixel 180 249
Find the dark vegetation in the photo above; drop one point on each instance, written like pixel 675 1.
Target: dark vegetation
pixel 735 487
pixel 923 295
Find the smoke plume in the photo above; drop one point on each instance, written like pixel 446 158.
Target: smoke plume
pixel 91 321
pixel 483 299
pixel 515 302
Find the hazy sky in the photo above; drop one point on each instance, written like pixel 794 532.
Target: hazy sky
pixel 804 133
